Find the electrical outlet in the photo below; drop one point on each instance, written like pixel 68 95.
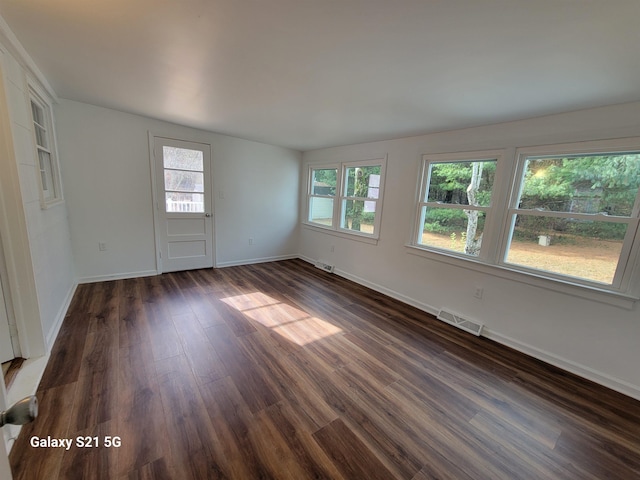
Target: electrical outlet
pixel 478 293
pixel 333 248
pixel 250 240
pixel 102 246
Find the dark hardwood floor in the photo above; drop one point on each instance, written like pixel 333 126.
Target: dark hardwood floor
pixel 12 368
pixel 280 370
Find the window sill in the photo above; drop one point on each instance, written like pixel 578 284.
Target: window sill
pixel 596 294
pixel 359 237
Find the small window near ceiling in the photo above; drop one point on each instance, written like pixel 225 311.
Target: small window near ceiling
pixel 47 162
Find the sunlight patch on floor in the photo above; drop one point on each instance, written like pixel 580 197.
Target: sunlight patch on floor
pixel 249 301
pixel 291 323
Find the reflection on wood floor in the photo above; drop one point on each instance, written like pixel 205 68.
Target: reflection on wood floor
pixel 280 370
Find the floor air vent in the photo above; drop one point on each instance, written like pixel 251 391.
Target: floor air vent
pixel 462 323
pixel 325 266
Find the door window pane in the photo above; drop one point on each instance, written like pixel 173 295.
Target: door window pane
pixel 183 158
pixel 183 181
pixel 183 173
pixel 184 202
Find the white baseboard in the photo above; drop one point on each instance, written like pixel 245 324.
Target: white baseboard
pixel 53 332
pixel 118 276
pixel 581 370
pixel 252 261
pixel 568 365
pixel 379 288
pixel 388 292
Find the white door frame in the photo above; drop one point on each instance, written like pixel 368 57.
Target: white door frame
pixel 156 200
pixel 20 281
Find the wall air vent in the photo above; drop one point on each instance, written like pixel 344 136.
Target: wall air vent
pixel 324 266
pixel 461 323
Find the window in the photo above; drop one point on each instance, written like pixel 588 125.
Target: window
pixel 183 179
pixel 454 202
pixel 322 193
pixel 49 178
pixel 360 196
pixel 347 197
pixel 574 214
pixel 568 213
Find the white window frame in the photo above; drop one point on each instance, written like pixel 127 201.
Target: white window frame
pixel 624 290
pixel 624 268
pixel 47 129
pixel 311 195
pixel 478 156
pixel 340 199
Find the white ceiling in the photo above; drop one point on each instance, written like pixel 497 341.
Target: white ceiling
pixel 314 73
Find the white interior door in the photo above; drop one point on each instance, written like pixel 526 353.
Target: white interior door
pixel 6 348
pixel 183 204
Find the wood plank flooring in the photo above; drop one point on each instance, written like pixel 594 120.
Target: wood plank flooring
pixel 282 371
pixel 10 371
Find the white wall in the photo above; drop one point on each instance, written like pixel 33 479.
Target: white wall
pixel 593 339
pixel 105 168
pixel 48 229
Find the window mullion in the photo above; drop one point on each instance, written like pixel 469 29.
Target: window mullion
pixel 43 149
pixel 455 206
pixel 321 196
pixel 361 199
pixel 337 205
pixel 582 216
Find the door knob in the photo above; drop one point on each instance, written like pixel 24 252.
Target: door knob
pixel 25 411
pixel 207 214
